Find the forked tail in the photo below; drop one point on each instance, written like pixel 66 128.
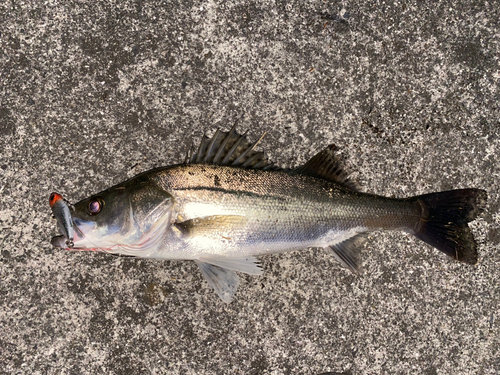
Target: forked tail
pixel 443 223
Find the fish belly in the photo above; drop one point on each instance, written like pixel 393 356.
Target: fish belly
pixel 239 226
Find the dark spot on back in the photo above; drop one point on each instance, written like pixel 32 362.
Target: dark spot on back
pixel 216 180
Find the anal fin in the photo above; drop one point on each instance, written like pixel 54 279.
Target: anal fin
pixel 348 252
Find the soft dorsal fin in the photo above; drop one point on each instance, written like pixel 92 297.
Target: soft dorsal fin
pixel 229 148
pixel 326 165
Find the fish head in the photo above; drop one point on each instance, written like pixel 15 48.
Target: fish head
pixel 129 218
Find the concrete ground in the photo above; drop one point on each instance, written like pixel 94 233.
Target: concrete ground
pixel 92 93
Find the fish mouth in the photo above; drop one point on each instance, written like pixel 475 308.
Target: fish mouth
pixel 80 242
pixel 63 242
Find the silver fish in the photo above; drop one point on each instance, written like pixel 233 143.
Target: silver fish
pixel 227 204
pixel 62 214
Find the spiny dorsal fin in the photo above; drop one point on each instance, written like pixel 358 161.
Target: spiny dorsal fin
pixel 229 148
pixel 326 165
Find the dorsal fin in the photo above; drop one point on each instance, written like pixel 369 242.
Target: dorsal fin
pixel 229 148
pixel 326 165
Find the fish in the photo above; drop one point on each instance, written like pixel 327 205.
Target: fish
pixel 62 214
pixel 227 204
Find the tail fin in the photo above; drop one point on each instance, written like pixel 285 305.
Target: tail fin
pixel 444 219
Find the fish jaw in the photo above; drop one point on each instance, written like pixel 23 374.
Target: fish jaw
pixel 79 241
pixel 62 242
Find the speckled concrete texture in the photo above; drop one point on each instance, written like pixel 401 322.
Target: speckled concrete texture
pixel 92 93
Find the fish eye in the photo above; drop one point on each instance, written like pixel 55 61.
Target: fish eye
pixel 95 206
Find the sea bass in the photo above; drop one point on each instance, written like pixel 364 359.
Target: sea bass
pixel 228 204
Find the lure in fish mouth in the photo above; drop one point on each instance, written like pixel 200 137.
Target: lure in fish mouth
pixel 228 204
pixel 61 212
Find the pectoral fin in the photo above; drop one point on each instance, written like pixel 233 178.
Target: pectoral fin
pixel 348 252
pixel 211 225
pixel 225 282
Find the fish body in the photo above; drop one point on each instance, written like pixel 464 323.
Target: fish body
pixel 228 205
pixel 235 212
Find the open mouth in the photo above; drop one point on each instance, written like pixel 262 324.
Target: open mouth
pixel 63 242
pixel 80 241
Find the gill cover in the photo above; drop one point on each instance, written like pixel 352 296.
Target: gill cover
pixel 129 218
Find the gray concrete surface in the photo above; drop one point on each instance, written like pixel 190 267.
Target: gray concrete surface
pixel 92 93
